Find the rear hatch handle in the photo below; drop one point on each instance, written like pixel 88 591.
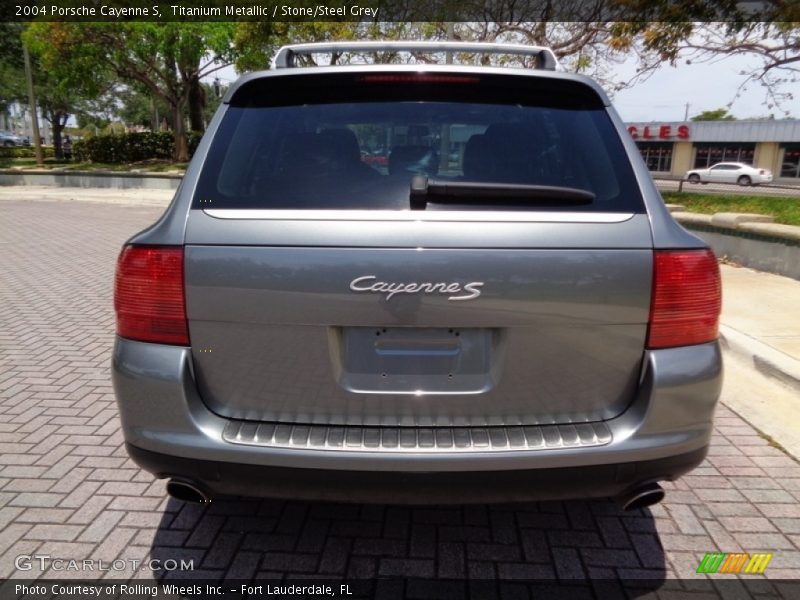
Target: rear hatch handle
pixel 424 190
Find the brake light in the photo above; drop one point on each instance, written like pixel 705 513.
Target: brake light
pixel 418 78
pixel 686 300
pixel 149 295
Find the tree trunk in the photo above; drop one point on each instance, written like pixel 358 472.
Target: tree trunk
pixel 197 102
pixel 58 122
pixel 179 134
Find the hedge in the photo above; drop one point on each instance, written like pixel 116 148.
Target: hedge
pixel 24 152
pixel 130 147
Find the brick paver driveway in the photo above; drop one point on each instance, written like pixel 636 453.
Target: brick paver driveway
pixel 68 490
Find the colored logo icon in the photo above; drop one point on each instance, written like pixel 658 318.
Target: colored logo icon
pixel 727 562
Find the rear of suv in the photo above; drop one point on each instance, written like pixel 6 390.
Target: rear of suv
pixel 502 310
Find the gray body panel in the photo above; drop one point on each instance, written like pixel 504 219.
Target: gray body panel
pixel 567 331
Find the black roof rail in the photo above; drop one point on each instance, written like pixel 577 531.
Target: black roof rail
pixel 545 58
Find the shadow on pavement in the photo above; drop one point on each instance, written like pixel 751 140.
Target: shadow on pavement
pixel 586 548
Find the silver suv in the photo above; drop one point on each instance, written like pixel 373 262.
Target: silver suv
pixel 417 283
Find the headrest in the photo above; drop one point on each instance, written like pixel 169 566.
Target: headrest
pixel 476 157
pixel 343 142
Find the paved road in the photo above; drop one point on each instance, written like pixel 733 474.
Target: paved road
pixel 67 488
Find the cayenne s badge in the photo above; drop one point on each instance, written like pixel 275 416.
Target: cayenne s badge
pixel 457 291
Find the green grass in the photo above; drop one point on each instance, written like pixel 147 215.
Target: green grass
pixel 786 210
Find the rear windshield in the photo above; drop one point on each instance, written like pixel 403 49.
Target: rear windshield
pixel 356 142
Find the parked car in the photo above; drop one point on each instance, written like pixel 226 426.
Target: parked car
pixel 10 139
pixel 730 172
pixel 300 324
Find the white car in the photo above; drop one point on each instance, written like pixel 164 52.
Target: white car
pixel 730 172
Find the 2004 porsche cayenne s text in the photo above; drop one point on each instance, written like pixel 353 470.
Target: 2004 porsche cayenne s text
pixel 503 310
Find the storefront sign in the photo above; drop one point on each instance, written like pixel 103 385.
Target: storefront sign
pixel 659 132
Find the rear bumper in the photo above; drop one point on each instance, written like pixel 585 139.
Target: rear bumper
pixel 171 433
pixel 462 487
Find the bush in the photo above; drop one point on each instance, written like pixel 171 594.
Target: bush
pixel 25 152
pixel 130 147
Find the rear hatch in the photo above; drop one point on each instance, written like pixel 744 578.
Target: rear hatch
pixel 417 249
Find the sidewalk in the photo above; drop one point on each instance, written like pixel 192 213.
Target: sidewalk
pixel 760 336
pixel 761 321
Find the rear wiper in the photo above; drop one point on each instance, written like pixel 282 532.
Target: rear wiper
pixel 424 190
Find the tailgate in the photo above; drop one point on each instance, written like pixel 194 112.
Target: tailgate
pixel 398 335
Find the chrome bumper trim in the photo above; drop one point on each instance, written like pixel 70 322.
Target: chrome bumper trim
pixel 411 439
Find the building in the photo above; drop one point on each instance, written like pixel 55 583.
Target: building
pixel 672 148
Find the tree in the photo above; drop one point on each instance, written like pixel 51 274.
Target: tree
pixel 167 59
pixel 136 106
pixel 57 100
pixel 255 42
pixel 718 114
pixel 705 31
pixel 12 73
pixel 197 104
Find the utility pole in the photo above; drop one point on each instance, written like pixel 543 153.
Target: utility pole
pixel 686 113
pixel 37 144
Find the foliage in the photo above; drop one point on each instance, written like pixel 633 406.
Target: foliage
pixel 56 98
pixel 138 107
pixel 167 59
pixel 255 42
pixel 718 114
pixel 707 31
pixel 25 152
pixel 130 147
pixel 12 74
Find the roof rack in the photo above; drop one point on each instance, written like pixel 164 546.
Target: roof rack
pixel 545 59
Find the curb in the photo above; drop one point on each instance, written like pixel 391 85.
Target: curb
pixel 766 359
pixel 90 179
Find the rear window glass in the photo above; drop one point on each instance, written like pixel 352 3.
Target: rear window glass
pixel 317 142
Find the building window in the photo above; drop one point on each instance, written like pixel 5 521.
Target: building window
pixel 790 167
pixel 657 155
pixel 711 154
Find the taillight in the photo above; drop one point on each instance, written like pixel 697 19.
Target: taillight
pixel 687 298
pixel 761 171
pixel 149 295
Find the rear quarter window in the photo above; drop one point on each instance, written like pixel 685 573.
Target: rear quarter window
pixel 350 142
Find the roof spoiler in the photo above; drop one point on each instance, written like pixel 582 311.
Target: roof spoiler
pixel 545 58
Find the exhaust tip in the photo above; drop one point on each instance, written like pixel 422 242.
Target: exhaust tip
pixel 641 497
pixel 187 492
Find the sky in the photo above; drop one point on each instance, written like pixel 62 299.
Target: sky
pixel 704 86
